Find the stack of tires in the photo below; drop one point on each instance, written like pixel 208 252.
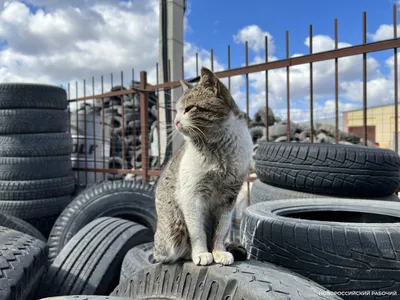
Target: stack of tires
pixel 130 124
pixel 329 213
pixel 36 178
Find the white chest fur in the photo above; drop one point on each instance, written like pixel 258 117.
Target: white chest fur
pixel 193 165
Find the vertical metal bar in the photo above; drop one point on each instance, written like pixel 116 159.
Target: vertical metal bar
pixel 113 131
pixel 144 115
pixel 158 123
pixel 288 88
pixel 212 60
pixel 69 107
pixel 78 149
pixel 197 64
pixel 103 127
pixel 311 89
pixel 364 29
pixel 94 141
pixel 171 107
pixel 134 127
pixel 85 126
pixel 396 83
pixel 266 91
pixel 229 66
pixel 336 84
pixel 247 89
pixel 123 123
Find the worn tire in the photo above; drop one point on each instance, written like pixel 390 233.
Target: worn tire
pixel 23 262
pixel 30 95
pixel 89 263
pixel 136 259
pixel 339 170
pixel 35 168
pixel 261 192
pixel 40 144
pixel 128 199
pixel 346 251
pixel 279 130
pixel 37 189
pixel 242 280
pixel 40 213
pixel 256 133
pixel 33 121
pixel 84 297
pixel 21 226
pixel 35 209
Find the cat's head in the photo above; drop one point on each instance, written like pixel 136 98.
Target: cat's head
pixel 205 106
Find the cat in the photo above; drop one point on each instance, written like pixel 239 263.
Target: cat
pixel 198 187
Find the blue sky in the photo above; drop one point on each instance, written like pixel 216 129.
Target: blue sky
pixel 208 16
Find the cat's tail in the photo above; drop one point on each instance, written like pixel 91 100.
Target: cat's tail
pixel 237 250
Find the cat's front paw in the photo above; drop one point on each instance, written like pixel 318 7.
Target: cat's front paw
pixel 203 259
pixel 223 257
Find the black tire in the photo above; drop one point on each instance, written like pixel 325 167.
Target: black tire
pixel 33 121
pixel 35 209
pixel 256 133
pixel 242 280
pixel 40 144
pixel 279 130
pixel 37 189
pixel 339 170
pixel 83 297
pixel 261 192
pixel 23 262
pixel 35 168
pixel 89 263
pixel 353 248
pixel 136 259
pixel 21 226
pixel 40 213
pixel 128 199
pixel 30 95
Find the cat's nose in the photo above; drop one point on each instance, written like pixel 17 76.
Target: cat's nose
pixel 177 123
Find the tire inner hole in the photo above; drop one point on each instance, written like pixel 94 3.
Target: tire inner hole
pixel 343 216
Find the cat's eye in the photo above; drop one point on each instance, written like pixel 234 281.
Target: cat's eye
pixel 189 108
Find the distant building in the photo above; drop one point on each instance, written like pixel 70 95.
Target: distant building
pixel 380 124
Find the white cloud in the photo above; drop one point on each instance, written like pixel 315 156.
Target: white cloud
pixel 384 32
pixel 64 43
pixel 255 37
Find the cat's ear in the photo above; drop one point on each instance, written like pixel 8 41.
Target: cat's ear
pixel 208 78
pixel 186 85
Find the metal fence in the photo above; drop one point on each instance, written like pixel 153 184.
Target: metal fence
pixel 118 121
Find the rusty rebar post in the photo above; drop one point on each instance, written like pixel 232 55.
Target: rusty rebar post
pixel 364 30
pixel 311 89
pixel 94 141
pixel 266 92
pixel 396 84
pixel 288 88
pixel 336 84
pixel 247 92
pixel 144 120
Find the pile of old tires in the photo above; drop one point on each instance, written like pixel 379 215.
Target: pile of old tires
pixel 101 245
pixel 122 113
pixel 36 180
pixel 329 213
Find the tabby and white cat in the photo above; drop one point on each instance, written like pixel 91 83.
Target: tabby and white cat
pixel 199 186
